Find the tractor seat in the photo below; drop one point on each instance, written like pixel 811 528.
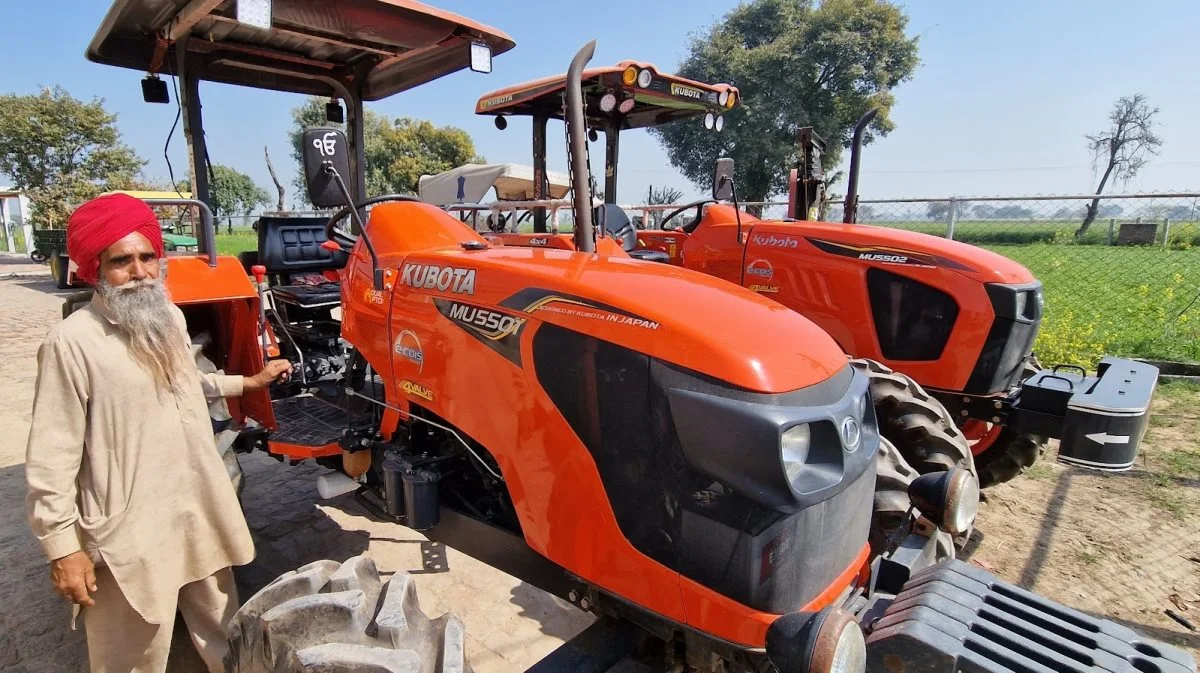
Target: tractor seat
pixel 288 245
pixel 309 296
pixel 615 223
pixel 650 255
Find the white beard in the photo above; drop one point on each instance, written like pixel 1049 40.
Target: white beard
pixel 142 311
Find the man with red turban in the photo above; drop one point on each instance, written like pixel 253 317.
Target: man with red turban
pixel 126 492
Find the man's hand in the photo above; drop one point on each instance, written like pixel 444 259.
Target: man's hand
pixel 74 577
pixel 275 369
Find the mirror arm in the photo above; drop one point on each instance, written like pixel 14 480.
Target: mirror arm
pixel 737 212
pixel 377 273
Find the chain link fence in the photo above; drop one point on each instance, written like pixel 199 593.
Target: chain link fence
pixel 1127 284
pixel 1121 273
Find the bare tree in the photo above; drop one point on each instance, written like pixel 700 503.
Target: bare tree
pixel 274 178
pixel 1122 148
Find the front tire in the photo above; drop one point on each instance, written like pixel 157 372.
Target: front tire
pixel 915 422
pixel 339 618
pixel 1002 453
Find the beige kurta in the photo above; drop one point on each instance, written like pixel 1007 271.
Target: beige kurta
pixel 126 471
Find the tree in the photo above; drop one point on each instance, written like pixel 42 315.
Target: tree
pixel 397 151
pixel 234 193
pixel 938 210
pixel 841 58
pixel 1122 148
pixel 661 196
pixel 62 151
pixel 275 178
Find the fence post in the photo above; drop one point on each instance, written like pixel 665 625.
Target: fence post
pixel 1166 231
pixel 953 218
pixel 1112 229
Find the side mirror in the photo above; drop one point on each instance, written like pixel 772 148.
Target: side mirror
pixel 722 186
pixel 325 148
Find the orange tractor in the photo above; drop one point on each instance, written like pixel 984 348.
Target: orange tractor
pixel 707 494
pixel 957 319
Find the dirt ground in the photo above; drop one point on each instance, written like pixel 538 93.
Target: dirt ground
pixel 1124 546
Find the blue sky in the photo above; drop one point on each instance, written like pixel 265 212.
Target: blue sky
pixel 999 105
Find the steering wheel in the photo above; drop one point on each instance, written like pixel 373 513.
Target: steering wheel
pixel 346 239
pixel 690 226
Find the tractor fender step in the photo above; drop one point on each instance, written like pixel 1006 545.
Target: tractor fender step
pixel 957 617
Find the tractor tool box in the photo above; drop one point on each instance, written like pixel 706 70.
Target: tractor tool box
pixel 958 617
pixel 1099 419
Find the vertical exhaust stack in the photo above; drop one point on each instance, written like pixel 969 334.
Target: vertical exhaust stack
pixel 851 207
pixel 585 233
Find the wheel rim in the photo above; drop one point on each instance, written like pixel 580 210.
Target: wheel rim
pixel 981 434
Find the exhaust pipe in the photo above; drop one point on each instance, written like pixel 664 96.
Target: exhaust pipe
pixel 585 233
pixel 850 209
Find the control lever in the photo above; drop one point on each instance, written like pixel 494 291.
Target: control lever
pixel 260 282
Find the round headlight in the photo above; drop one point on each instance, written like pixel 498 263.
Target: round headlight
pixel 829 641
pixel 608 101
pixel 962 503
pixel 723 97
pixel 731 101
pixel 851 433
pixel 948 499
pixel 643 77
pixel 710 120
pixel 626 105
pixel 720 123
pixel 793 449
pixel 629 76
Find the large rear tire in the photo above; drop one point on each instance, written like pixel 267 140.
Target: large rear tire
pixel 341 618
pixel 915 422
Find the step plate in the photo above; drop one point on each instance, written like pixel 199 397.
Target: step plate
pixel 956 617
pixel 308 421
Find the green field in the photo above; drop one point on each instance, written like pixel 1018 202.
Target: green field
pixel 1114 300
pixel 1099 299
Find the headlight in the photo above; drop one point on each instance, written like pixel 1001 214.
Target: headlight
pixel 793 449
pixel 710 120
pixel 720 123
pixel 851 433
pixel 830 641
pixel 607 102
pixel 731 101
pixel 948 499
pixel 643 77
pixel 626 105
pixel 723 97
pixel 629 76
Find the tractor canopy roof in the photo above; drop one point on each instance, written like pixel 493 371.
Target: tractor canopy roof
pixel 469 183
pixel 656 98
pixel 373 47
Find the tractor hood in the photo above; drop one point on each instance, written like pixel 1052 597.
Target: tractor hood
pixel 673 314
pixel 895 247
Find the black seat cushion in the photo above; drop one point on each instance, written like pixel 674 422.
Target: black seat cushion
pixel 650 255
pixel 309 296
pixel 616 223
pixel 288 245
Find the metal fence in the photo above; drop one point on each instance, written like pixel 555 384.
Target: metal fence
pixel 1121 274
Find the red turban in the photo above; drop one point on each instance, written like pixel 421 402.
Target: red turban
pixel 103 221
